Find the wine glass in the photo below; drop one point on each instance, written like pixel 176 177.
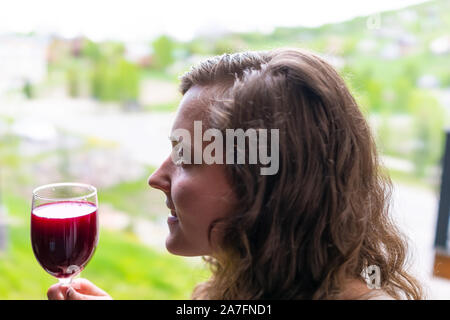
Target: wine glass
pixel 64 228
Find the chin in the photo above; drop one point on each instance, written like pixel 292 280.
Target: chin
pixel 180 249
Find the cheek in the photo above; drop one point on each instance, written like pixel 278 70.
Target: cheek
pixel 185 195
pixel 202 199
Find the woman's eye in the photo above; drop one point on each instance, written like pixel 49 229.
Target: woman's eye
pixel 179 157
pixel 179 160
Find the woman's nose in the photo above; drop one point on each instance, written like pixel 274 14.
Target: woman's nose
pixel 160 179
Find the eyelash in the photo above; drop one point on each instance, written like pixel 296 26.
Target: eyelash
pixel 180 163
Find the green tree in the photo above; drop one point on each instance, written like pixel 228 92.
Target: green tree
pixel 116 81
pixel 402 89
pixel 163 52
pixel 27 90
pixel 91 50
pixel 384 132
pixel 127 76
pixel 73 82
pixel 428 122
pixel 374 89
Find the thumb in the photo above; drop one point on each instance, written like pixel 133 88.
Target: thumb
pixel 72 294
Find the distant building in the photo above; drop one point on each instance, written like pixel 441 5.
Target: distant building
pixel 407 43
pixel 139 53
pixel 58 49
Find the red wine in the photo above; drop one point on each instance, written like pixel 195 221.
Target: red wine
pixel 64 236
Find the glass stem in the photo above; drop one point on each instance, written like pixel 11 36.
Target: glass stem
pixel 65 281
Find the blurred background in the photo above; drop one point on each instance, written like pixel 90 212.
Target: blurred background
pixel 88 92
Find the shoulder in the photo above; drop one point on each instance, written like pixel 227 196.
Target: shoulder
pixel 357 289
pixel 376 294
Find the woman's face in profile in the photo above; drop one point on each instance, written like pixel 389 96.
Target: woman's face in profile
pixel 197 194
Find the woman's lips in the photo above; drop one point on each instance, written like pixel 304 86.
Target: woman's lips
pixel 172 219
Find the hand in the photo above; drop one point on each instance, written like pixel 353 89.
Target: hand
pixel 79 289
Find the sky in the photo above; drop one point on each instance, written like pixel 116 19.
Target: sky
pixel 143 20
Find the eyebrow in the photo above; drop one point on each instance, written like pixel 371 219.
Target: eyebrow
pixel 178 140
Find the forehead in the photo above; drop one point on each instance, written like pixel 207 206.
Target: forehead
pixel 193 107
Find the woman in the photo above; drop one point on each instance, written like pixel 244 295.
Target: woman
pixel 310 230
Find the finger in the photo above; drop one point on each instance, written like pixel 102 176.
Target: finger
pixel 86 287
pixel 55 292
pixel 72 294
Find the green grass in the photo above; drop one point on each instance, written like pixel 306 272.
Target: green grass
pixel 121 265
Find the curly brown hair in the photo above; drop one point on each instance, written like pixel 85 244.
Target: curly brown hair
pixel 325 216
